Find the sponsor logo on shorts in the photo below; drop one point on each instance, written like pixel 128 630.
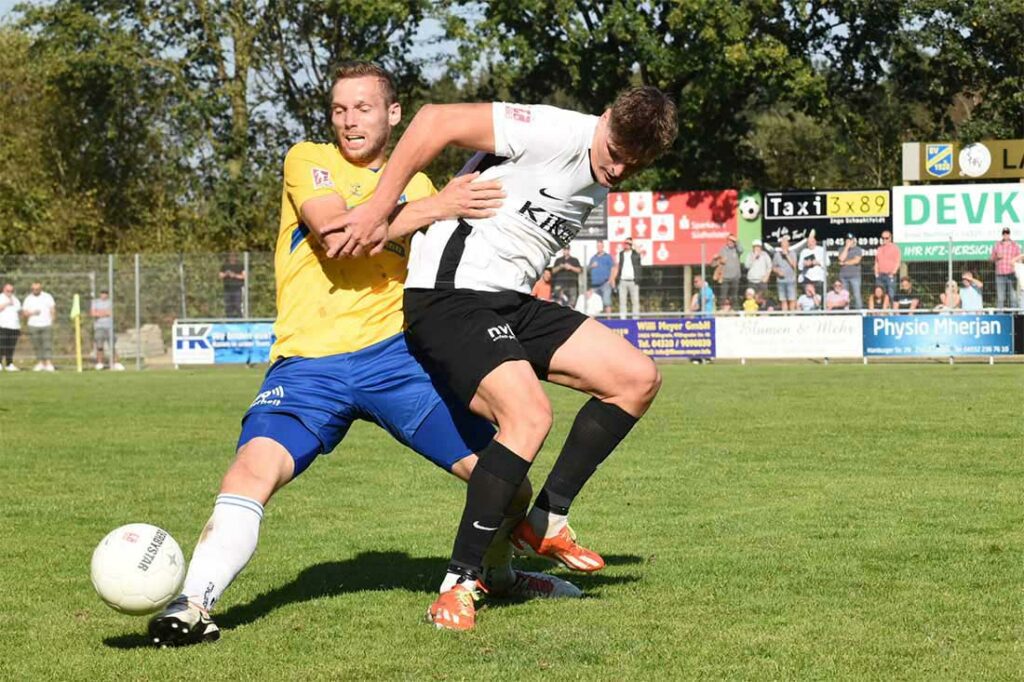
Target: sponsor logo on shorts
pixel 272 397
pixel 479 526
pixel 501 332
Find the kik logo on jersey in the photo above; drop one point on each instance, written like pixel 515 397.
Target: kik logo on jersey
pixel 561 229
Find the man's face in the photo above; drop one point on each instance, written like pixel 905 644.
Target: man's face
pixel 104 295
pixel 838 286
pixel 600 247
pixel 566 253
pixel 784 243
pixel 362 119
pixel 37 288
pixel 8 289
pixel 546 276
pixel 1006 236
pixel 809 290
pixel 811 242
pixel 608 162
pixel 905 284
pixel 698 282
pixel 887 237
pixel 629 245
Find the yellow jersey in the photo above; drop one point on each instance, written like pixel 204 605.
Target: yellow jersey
pixel 327 306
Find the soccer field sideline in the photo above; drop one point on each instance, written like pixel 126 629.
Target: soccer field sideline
pixel 752 533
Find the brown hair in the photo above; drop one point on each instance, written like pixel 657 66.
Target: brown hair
pixel 643 124
pixel 355 68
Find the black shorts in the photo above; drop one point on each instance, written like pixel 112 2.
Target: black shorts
pixel 461 335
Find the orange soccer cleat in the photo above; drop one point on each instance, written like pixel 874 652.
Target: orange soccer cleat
pixel 562 548
pixel 454 609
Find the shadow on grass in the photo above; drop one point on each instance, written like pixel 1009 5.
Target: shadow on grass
pixel 375 572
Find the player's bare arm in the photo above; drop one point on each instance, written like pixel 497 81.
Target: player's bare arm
pixel 434 127
pixel 460 198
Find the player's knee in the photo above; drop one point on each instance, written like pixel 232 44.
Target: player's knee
pixel 644 382
pixel 261 466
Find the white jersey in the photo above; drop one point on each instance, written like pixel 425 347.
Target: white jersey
pixel 542 158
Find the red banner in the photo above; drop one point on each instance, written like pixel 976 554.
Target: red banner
pixel 668 228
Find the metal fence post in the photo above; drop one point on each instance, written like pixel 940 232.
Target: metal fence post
pixel 949 260
pixel 113 325
pixel 245 284
pixel 181 284
pixel 138 317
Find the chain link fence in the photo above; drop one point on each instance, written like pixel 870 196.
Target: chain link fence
pixel 149 291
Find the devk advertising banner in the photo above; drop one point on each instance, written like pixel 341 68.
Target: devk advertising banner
pixel 219 343
pixel 927 218
pixel 669 337
pixel 669 228
pixel 938 335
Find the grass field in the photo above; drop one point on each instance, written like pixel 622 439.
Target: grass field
pixel 769 522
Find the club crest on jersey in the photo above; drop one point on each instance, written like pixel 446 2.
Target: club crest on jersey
pixel 322 178
pixel 520 114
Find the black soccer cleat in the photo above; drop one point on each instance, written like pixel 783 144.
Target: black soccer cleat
pixel 182 623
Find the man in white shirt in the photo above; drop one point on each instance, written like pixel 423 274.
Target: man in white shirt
pixel 759 267
pixel 40 311
pixel 10 327
pixel 471 319
pixel 590 303
pixel 809 300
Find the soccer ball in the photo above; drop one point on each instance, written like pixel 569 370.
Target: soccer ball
pixel 750 208
pixel 138 569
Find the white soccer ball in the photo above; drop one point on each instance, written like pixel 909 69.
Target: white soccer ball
pixel 138 569
pixel 750 208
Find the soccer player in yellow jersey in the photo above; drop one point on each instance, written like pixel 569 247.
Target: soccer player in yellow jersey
pixel 340 352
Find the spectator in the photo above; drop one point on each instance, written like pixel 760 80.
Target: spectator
pixel 590 303
pixel 601 266
pixel 813 271
pixel 103 330
pixel 850 258
pixel 906 297
pixel 729 259
pixel 970 292
pixel 232 274
pixel 950 298
pixel 726 306
pixel 565 277
pixel 784 267
pixel 1004 254
pixel 626 274
pixel 887 265
pixel 838 298
pixel 1018 270
pixel 811 246
pixel 542 289
pixel 762 303
pixel 703 300
pixel 809 300
pixel 750 300
pixel 10 327
pixel 879 299
pixel 40 310
pixel 759 266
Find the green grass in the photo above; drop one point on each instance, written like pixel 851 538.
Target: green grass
pixel 768 522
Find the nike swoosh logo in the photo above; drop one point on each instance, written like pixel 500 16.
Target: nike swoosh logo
pixel 476 524
pixel 545 194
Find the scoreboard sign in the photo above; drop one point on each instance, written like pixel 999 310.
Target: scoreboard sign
pixel 669 228
pixel 831 214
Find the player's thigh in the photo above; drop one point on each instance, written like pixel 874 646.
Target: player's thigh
pixel 460 337
pixel 513 395
pixel 598 361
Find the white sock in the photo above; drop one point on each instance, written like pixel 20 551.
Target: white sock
pixel 225 547
pixel 546 523
pixel 452 579
pixel 498 571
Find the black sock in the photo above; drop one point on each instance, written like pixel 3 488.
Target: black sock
pixel 497 476
pixel 598 429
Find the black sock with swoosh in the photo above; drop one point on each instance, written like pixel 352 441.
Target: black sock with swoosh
pixel 493 484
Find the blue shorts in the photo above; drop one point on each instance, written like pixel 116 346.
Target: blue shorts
pixel 308 404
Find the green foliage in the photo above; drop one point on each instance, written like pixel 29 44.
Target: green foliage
pixel 160 126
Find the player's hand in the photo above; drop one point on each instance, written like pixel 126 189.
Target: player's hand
pixel 464 197
pixel 364 229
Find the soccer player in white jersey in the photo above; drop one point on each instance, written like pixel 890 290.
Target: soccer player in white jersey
pixel 473 323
